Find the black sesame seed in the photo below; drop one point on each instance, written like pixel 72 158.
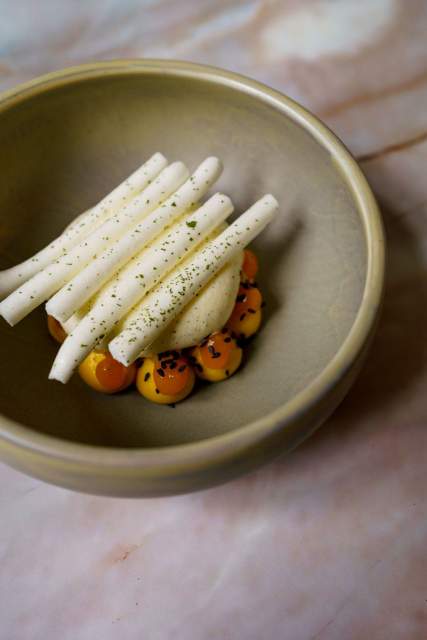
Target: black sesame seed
pixel 241 298
pixel 157 391
pixel 211 349
pixel 216 354
pixel 146 377
pixel 175 355
pixel 161 373
pixel 251 311
pixel 227 373
pixel 227 339
pixel 242 317
pixel 172 365
pixel 182 368
pixel 164 364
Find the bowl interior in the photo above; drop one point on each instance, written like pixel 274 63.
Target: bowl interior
pixel 66 147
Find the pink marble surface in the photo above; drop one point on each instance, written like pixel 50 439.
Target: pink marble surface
pixel 329 543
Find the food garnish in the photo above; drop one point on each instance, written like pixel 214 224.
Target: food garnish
pixel 130 274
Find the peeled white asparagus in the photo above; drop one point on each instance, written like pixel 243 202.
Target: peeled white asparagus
pixel 216 301
pixel 203 315
pixel 206 313
pixel 135 279
pixel 91 278
pixel 47 281
pixel 83 224
pixel 144 325
pixel 74 320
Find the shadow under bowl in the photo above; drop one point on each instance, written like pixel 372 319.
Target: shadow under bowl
pixel 67 139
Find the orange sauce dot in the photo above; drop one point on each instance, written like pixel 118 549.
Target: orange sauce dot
pixel 56 329
pixel 215 353
pixel 173 377
pixel 111 374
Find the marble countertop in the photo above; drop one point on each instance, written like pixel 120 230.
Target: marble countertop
pixel 329 543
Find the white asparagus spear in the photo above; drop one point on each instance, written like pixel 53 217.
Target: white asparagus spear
pixel 135 279
pixel 88 281
pixel 46 282
pixel 83 225
pixel 145 323
pixel 78 316
pixel 74 320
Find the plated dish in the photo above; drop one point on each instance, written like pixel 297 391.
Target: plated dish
pixel 67 138
pixel 150 286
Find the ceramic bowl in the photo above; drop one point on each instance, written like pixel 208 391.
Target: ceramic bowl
pixel 68 138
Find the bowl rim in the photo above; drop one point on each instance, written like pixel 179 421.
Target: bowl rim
pixel 214 450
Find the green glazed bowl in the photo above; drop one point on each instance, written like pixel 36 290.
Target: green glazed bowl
pixel 67 139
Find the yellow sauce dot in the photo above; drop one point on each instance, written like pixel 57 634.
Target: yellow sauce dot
pixel 217 375
pixel 246 325
pixel 146 385
pixel 87 372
